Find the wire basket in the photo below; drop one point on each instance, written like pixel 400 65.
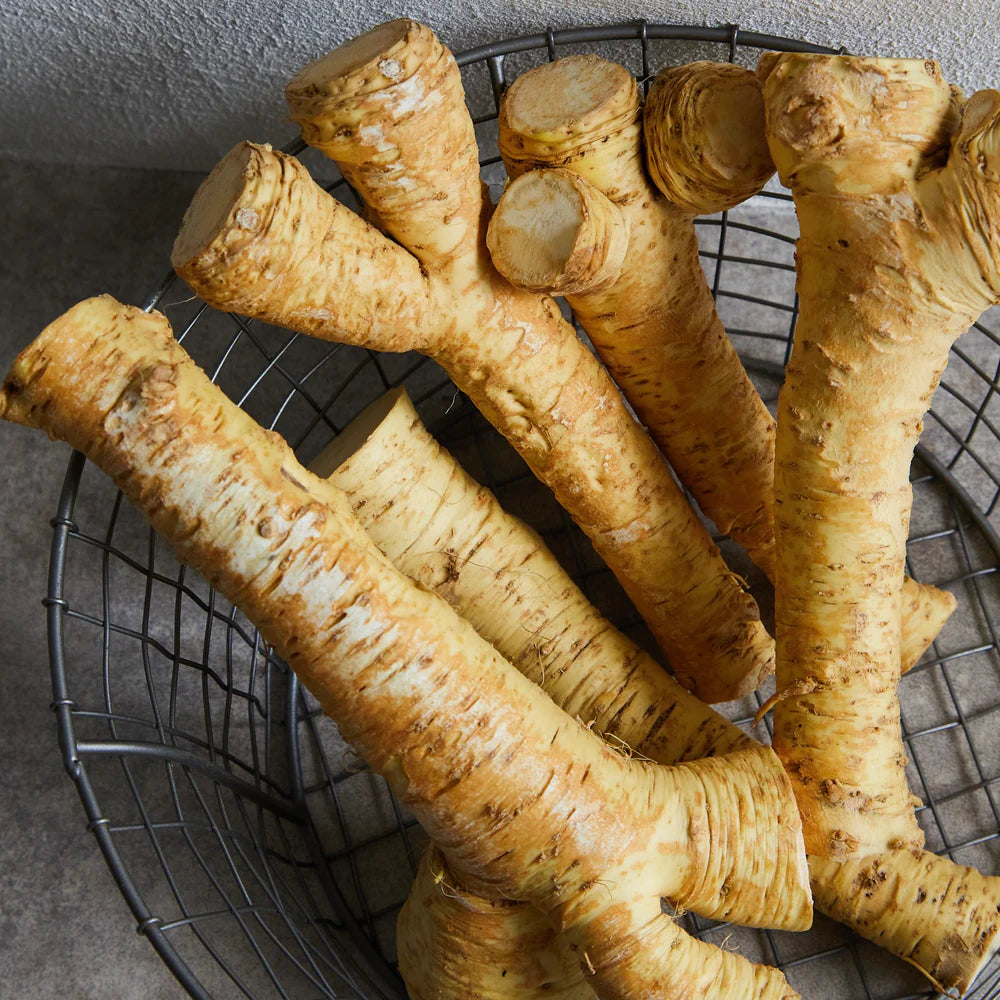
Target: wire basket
pixel 257 854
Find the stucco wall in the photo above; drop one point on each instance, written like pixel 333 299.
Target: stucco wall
pixel 175 84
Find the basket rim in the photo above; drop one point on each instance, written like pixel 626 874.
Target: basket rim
pixel 641 30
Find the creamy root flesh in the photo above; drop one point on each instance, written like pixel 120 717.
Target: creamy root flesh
pixel 553 231
pixel 541 221
pixel 580 88
pixel 215 207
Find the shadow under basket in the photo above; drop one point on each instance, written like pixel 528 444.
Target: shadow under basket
pixel 258 855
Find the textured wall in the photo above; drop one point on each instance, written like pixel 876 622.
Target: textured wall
pixel 175 84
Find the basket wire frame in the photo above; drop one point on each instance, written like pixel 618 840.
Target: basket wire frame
pixel 258 856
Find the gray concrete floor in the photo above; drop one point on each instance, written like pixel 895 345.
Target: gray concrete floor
pixel 64 928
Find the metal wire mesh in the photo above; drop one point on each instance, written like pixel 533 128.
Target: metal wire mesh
pixel 257 854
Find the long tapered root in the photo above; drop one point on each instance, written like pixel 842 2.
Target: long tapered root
pixel 696 969
pixel 450 534
pixel 444 530
pixel 522 800
pixel 371 105
pixel 519 362
pixel 656 327
pixel 897 202
pixel 262 238
pixel 661 350
pixel 502 951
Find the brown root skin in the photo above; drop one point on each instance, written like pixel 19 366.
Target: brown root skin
pixel 873 346
pixel 898 256
pixel 449 943
pixel 889 122
pixel 941 917
pixel 231 249
pixel 522 799
pixel 705 143
pixel 450 534
pixel 697 969
pixel 453 945
pixel 476 937
pixel 656 327
pixel 509 350
pixel 371 105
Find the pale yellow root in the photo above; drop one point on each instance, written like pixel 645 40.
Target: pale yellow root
pixel 444 530
pixel 702 969
pixel 451 943
pixel 454 944
pixel 522 800
pixel 261 237
pixel 314 266
pixel 896 188
pixel 382 106
pixel 938 916
pixel 449 534
pixel 703 131
pixel 657 328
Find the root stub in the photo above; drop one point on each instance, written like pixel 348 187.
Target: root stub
pixel 554 232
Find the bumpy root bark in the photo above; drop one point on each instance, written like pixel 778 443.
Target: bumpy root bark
pixel 656 328
pixel 449 534
pixel 896 187
pixel 522 800
pixel 706 150
pixel 453 944
pixel 372 106
pixel 925 610
pixel 941 917
pixel 444 530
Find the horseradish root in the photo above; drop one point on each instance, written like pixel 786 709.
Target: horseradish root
pixel 706 148
pixel 452 945
pixel 897 188
pixel 450 535
pixel 263 239
pixel 656 327
pixel 389 108
pixel 522 800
